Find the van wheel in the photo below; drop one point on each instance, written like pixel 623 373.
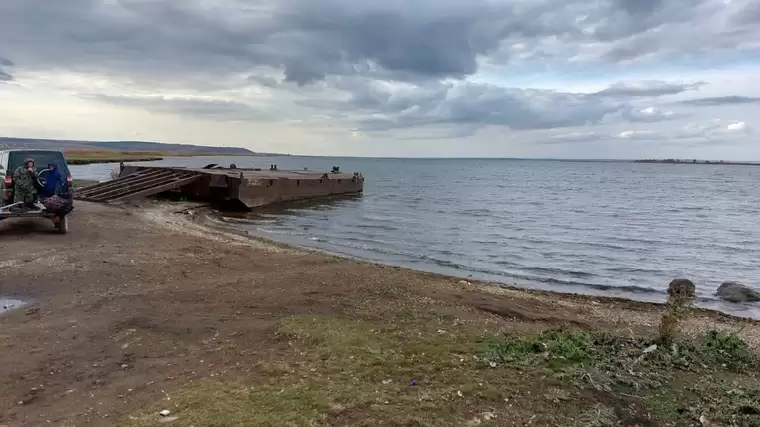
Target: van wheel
pixel 62 225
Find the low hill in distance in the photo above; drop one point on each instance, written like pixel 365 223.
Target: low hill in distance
pixel 68 145
pixel 86 152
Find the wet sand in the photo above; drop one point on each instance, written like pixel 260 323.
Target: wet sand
pixel 134 304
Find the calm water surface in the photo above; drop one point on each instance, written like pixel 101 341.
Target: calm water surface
pixel 608 228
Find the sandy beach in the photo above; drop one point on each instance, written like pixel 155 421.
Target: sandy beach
pixel 141 310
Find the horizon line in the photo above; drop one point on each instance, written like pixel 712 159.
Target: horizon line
pixel 683 160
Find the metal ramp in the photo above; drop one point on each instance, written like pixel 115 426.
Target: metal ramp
pixel 143 183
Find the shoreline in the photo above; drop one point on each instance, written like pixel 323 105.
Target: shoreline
pixel 141 308
pixel 216 223
pixel 732 310
pixel 209 222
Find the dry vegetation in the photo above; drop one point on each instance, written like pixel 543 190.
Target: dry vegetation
pixel 83 157
pixel 344 372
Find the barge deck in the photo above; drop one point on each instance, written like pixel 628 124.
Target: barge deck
pixel 250 188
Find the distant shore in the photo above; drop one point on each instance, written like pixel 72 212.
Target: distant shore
pixel 87 157
pixel 697 162
pixel 77 161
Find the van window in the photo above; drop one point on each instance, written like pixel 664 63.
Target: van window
pixel 41 160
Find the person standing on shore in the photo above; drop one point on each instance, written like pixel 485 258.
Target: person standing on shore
pixel 24 178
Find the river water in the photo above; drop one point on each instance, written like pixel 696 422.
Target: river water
pixel 606 228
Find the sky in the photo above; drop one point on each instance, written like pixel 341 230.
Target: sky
pixel 613 79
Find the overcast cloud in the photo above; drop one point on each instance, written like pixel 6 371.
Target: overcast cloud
pixel 359 77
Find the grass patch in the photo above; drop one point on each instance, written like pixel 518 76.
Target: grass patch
pixel 597 416
pixel 345 372
pixel 224 405
pixel 726 349
pixel 685 381
pixel 559 348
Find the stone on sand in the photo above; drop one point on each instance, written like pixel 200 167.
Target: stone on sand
pixel 737 292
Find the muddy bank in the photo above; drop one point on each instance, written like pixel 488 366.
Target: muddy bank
pixel 324 227
pixel 246 225
pixel 133 306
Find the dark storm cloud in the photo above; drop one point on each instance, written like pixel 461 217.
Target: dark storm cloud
pixel 380 106
pixel 5 76
pixel 436 46
pixel 638 7
pixel 633 48
pixel 265 81
pixel 667 30
pixel 380 97
pixel 749 15
pixel 377 106
pixel 651 88
pixel 357 48
pixel 574 137
pixel 423 38
pixel 628 18
pixel 308 40
pixel 720 100
pixel 466 104
pixel 204 108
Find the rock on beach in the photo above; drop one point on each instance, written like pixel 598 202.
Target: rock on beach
pixel 737 292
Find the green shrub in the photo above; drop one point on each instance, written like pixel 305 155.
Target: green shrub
pixel 559 348
pixel 725 349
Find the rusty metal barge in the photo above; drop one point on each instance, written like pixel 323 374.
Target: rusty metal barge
pixel 228 186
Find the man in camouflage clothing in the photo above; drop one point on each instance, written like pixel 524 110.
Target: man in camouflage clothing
pixel 24 178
